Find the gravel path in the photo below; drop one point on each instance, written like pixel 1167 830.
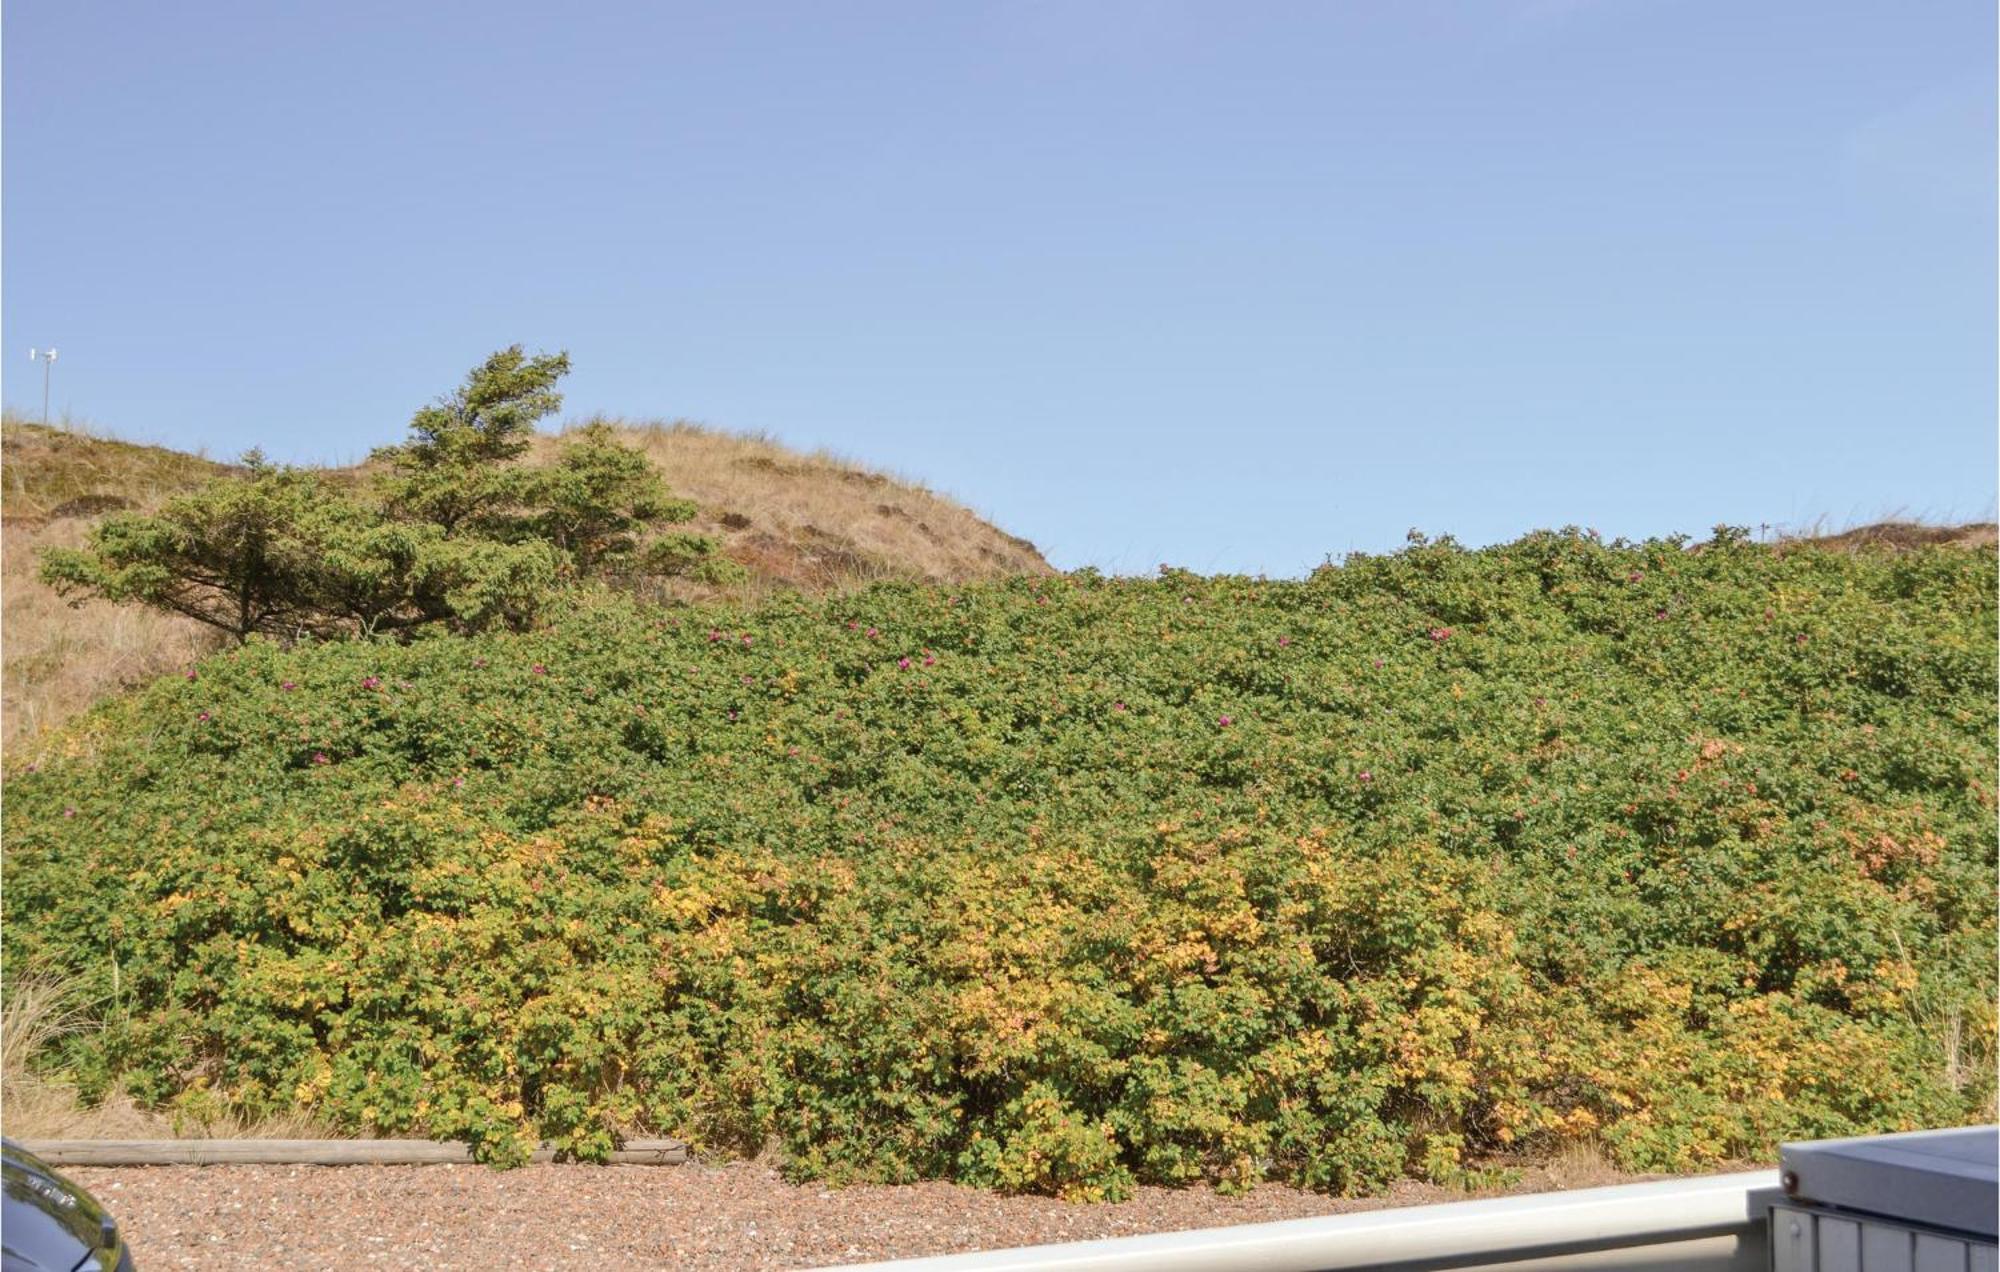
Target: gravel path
pixel 740 1215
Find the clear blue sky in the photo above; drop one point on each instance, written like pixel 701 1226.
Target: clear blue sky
pixel 1230 286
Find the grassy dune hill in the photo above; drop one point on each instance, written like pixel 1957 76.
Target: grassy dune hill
pixel 817 522
pixel 810 522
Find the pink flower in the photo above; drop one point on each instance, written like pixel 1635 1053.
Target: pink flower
pixel 202 716
pixel 713 635
pixel 371 682
pixel 458 781
pixel 1225 721
pixel 538 670
pixel 288 685
pixel 903 663
pixel 1378 664
pixel 319 757
pixel 1283 641
pixel 1440 633
pixel 69 812
pixel 1117 706
pixel 930 660
pixel 1659 613
pixel 853 626
pixel 1365 776
pixel 192 676
pixel 871 633
pixel 746 638
pixel 1634 576
pixel 479 662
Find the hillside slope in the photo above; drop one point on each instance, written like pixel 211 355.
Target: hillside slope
pixel 807 522
pixel 1058 885
pixel 54 485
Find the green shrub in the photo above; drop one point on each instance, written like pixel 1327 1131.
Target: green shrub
pixel 1065 884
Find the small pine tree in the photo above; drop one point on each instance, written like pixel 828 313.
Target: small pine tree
pixel 458 531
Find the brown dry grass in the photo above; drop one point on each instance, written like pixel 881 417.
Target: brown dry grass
pixel 1893 535
pixel 818 522
pixel 56 660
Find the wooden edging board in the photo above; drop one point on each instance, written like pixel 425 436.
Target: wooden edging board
pixel 318 1152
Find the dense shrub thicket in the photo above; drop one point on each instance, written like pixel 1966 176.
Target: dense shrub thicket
pixel 1069 883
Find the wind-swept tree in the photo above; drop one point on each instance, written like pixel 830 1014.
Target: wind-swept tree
pixel 457 530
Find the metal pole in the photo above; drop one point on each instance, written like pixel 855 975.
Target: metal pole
pixel 48 365
pixel 1707 1224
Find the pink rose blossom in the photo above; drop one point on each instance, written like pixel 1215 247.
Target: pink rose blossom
pixel 903 663
pixel 1365 776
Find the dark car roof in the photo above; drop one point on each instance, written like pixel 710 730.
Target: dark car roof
pixel 48 1221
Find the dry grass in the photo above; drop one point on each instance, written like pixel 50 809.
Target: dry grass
pixel 817 522
pixel 35 1014
pixel 73 471
pixel 1896 534
pixel 58 660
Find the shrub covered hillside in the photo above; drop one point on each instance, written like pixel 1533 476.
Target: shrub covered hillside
pixel 1066 883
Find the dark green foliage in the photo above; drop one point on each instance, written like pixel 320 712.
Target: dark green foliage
pixel 456 531
pixel 243 554
pixel 598 497
pixel 457 468
pixel 1067 884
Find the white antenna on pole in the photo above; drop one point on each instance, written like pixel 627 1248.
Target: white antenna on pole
pixel 47 357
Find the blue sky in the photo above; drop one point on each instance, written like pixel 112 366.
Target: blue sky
pixel 1236 287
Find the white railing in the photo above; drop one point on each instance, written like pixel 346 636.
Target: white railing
pixel 1687 1225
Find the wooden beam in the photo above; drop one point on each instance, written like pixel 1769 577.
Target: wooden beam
pixel 320 1152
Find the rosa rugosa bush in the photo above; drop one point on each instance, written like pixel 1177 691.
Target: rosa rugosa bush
pixel 1063 885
